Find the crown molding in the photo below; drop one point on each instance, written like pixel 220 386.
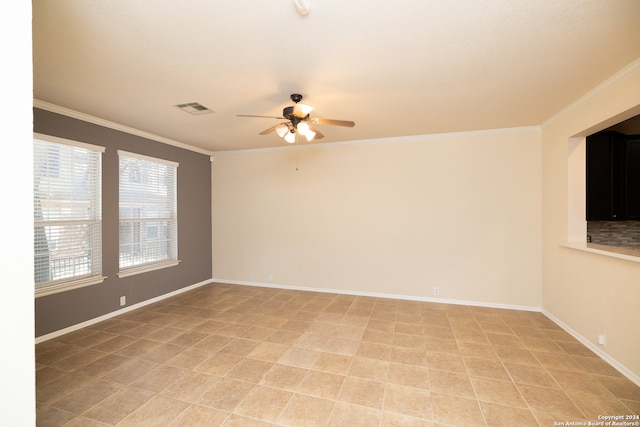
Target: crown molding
pixel 620 76
pixel 115 126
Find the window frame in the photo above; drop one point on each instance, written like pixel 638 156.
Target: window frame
pixel 171 220
pixel 95 276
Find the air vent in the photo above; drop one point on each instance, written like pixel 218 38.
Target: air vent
pixel 194 108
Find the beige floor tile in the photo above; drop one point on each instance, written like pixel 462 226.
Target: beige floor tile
pixel 391 419
pixel 362 392
pixel 321 384
pixel 622 388
pixel 353 360
pixel 551 401
pixel 516 355
pixel 531 375
pixel 189 358
pixel 489 368
pixel 103 365
pixel 268 351
pixel 449 346
pixel 79 401
pixel 240 347
pixel 571 380
pixel 264 403
pixel 345 414
pixel 190 387
pixel 408 356
pixel 162 353
pixel 225 394
pixel 408 401
pixel 593 405
pixel 372 369
pixel 137 348
pixel 557 360
pixel 159 411
pixel 497 391
pixel 303 411
pixel 409 341
pixel 219 364
pixel 249 370
pixel 446 362
pixel 48 416
pixel 472 349
pixel 341 346
pixel 63 386
pixel 284 377
pixel 456 411
pixel 158 378
pixel 299 357
pixel 408 375
pixel 450 383
pixel 507 416
pixel 119 405
pixel 200 416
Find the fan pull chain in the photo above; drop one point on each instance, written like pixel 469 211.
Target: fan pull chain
pixel 297 152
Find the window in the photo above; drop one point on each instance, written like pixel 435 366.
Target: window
pixel 148 213
pixel 67 214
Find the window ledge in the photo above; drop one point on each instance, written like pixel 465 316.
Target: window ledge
pixel 610 251
pixel 146 268
pixel 67 286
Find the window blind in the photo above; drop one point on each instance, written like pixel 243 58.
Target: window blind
pixel 67 211
pixel 148 211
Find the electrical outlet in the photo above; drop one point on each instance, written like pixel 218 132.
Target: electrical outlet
pixel 602 340
pixel 123 300
pixel 436 291
pixel 271 277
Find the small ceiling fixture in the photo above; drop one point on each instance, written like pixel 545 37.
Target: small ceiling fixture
pixel 299 122
pixel 301 7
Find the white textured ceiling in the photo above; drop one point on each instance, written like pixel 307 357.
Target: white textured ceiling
pixel 396 68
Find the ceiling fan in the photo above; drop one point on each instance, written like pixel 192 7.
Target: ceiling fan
pixel 298 121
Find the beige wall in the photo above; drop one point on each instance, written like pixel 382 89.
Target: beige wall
pixel 589 293
pixel 396 217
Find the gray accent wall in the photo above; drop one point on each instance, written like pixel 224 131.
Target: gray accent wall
pixel 65 309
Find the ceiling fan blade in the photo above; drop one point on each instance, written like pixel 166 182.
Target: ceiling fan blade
pixel 318 134
pixel 267 131
pixel 264 117
pixel 331 122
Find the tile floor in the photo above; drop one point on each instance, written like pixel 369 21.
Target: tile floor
pixel 226 355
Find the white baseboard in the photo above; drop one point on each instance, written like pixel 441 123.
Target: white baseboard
pixel 591 346
pixel 381 295
pixel 107 316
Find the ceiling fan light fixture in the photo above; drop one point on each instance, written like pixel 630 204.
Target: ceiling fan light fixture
pixel 303 127
pixel 310 135
pixel 302 110
pixel 282 130
pixel 301 7
pixel 290 137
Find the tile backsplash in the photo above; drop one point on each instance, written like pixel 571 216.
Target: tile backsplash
pixel 622 234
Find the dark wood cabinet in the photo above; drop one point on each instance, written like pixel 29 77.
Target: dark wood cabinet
pixel 605 177
pixel 613 177
pixel 632 181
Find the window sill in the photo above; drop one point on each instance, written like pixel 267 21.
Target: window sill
pixel 67 286
pixel 146 268
pixel 610 251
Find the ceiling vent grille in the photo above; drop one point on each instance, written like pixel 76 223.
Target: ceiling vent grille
pixel 194 108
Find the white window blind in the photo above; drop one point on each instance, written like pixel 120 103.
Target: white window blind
pixel 148 212
pixel 67 212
